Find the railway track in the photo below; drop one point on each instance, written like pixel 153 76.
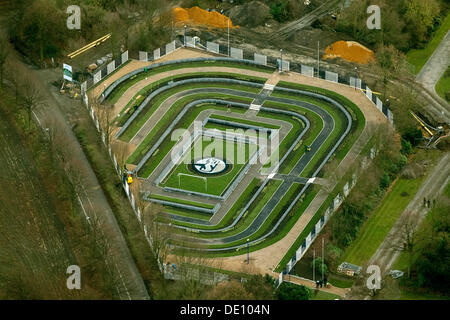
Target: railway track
pixel 305 21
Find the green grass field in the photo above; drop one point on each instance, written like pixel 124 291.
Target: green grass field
pixel 181 201
pixel 244 121
pixel 187 213
pixel 443 85
pixel 236 154
pixel 321 295
pixel 378 225
pixel 418 57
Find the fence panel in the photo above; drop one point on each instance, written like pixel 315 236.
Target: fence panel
pixel 390 116
pixel 286 64
pixel 212 47
pixel 369 93
pixel 83 87
pixel 190 42
pixel 97 77
pixel 331 76
pixel 336 202
pixel 124 57
pixel 170 47
pixel 379 105
pixel 261 59
pixel 354 81
pixel 157 54
pixel 346 189
pixel 143 56
pixel 307 71
pixel 236 53
pixel 280 278
pixel 111 67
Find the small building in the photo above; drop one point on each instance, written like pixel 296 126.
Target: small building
pixel 349 269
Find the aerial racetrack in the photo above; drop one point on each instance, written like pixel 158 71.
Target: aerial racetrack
pixel 192 133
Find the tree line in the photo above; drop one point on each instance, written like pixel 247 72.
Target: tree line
pixel 38 29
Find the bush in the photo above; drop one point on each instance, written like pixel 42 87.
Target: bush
pixel 279 11
pixel 333 254
pixel 290 291
pixel 262 288
pixel 412 135
pixel 318 264
pixel 447 96
pixel 406 147
pixel 385 181
pixel 345 224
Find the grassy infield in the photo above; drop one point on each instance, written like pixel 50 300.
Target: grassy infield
pixel 271 187
pixel 216 185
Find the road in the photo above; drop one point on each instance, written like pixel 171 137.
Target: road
pixel 310 284
pixel 435 67
pixel 92 198
pixel 414 213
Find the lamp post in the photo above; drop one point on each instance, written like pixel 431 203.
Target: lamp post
pixel 281 60
pixel 248 251
pixel 228 37
pixel 185 43
pixel 318 59
pixel 356 77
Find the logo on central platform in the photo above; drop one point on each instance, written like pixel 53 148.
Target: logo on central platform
pixel 210 165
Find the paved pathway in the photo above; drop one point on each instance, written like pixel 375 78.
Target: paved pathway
pixel 414 213
pixel 310 284
pixel 433 70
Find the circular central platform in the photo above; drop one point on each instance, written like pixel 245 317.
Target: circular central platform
pixel 210 166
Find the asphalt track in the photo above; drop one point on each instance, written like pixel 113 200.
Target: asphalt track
pixel 329 125
pixel 325 133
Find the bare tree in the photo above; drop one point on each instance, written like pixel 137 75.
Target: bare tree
pixel 15 77
pixel 101 252
pixel 121 150
pixel 390 63
pixel 407 243
pixel 31 99
pixel 4 52
pixel 194 270
pixel 158 230
pixel 105 116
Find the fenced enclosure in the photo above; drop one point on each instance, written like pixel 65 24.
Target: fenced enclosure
pixel 243 56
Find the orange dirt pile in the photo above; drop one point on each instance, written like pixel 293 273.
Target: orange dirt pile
pixel 198 16
pixel 350 51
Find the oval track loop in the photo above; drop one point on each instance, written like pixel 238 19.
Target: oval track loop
pixel 265 213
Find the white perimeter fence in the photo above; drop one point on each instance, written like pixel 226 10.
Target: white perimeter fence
pixel 235 53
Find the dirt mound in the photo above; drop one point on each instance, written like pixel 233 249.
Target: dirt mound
pixel 251 14
pixel 198 16
pixel 349 50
